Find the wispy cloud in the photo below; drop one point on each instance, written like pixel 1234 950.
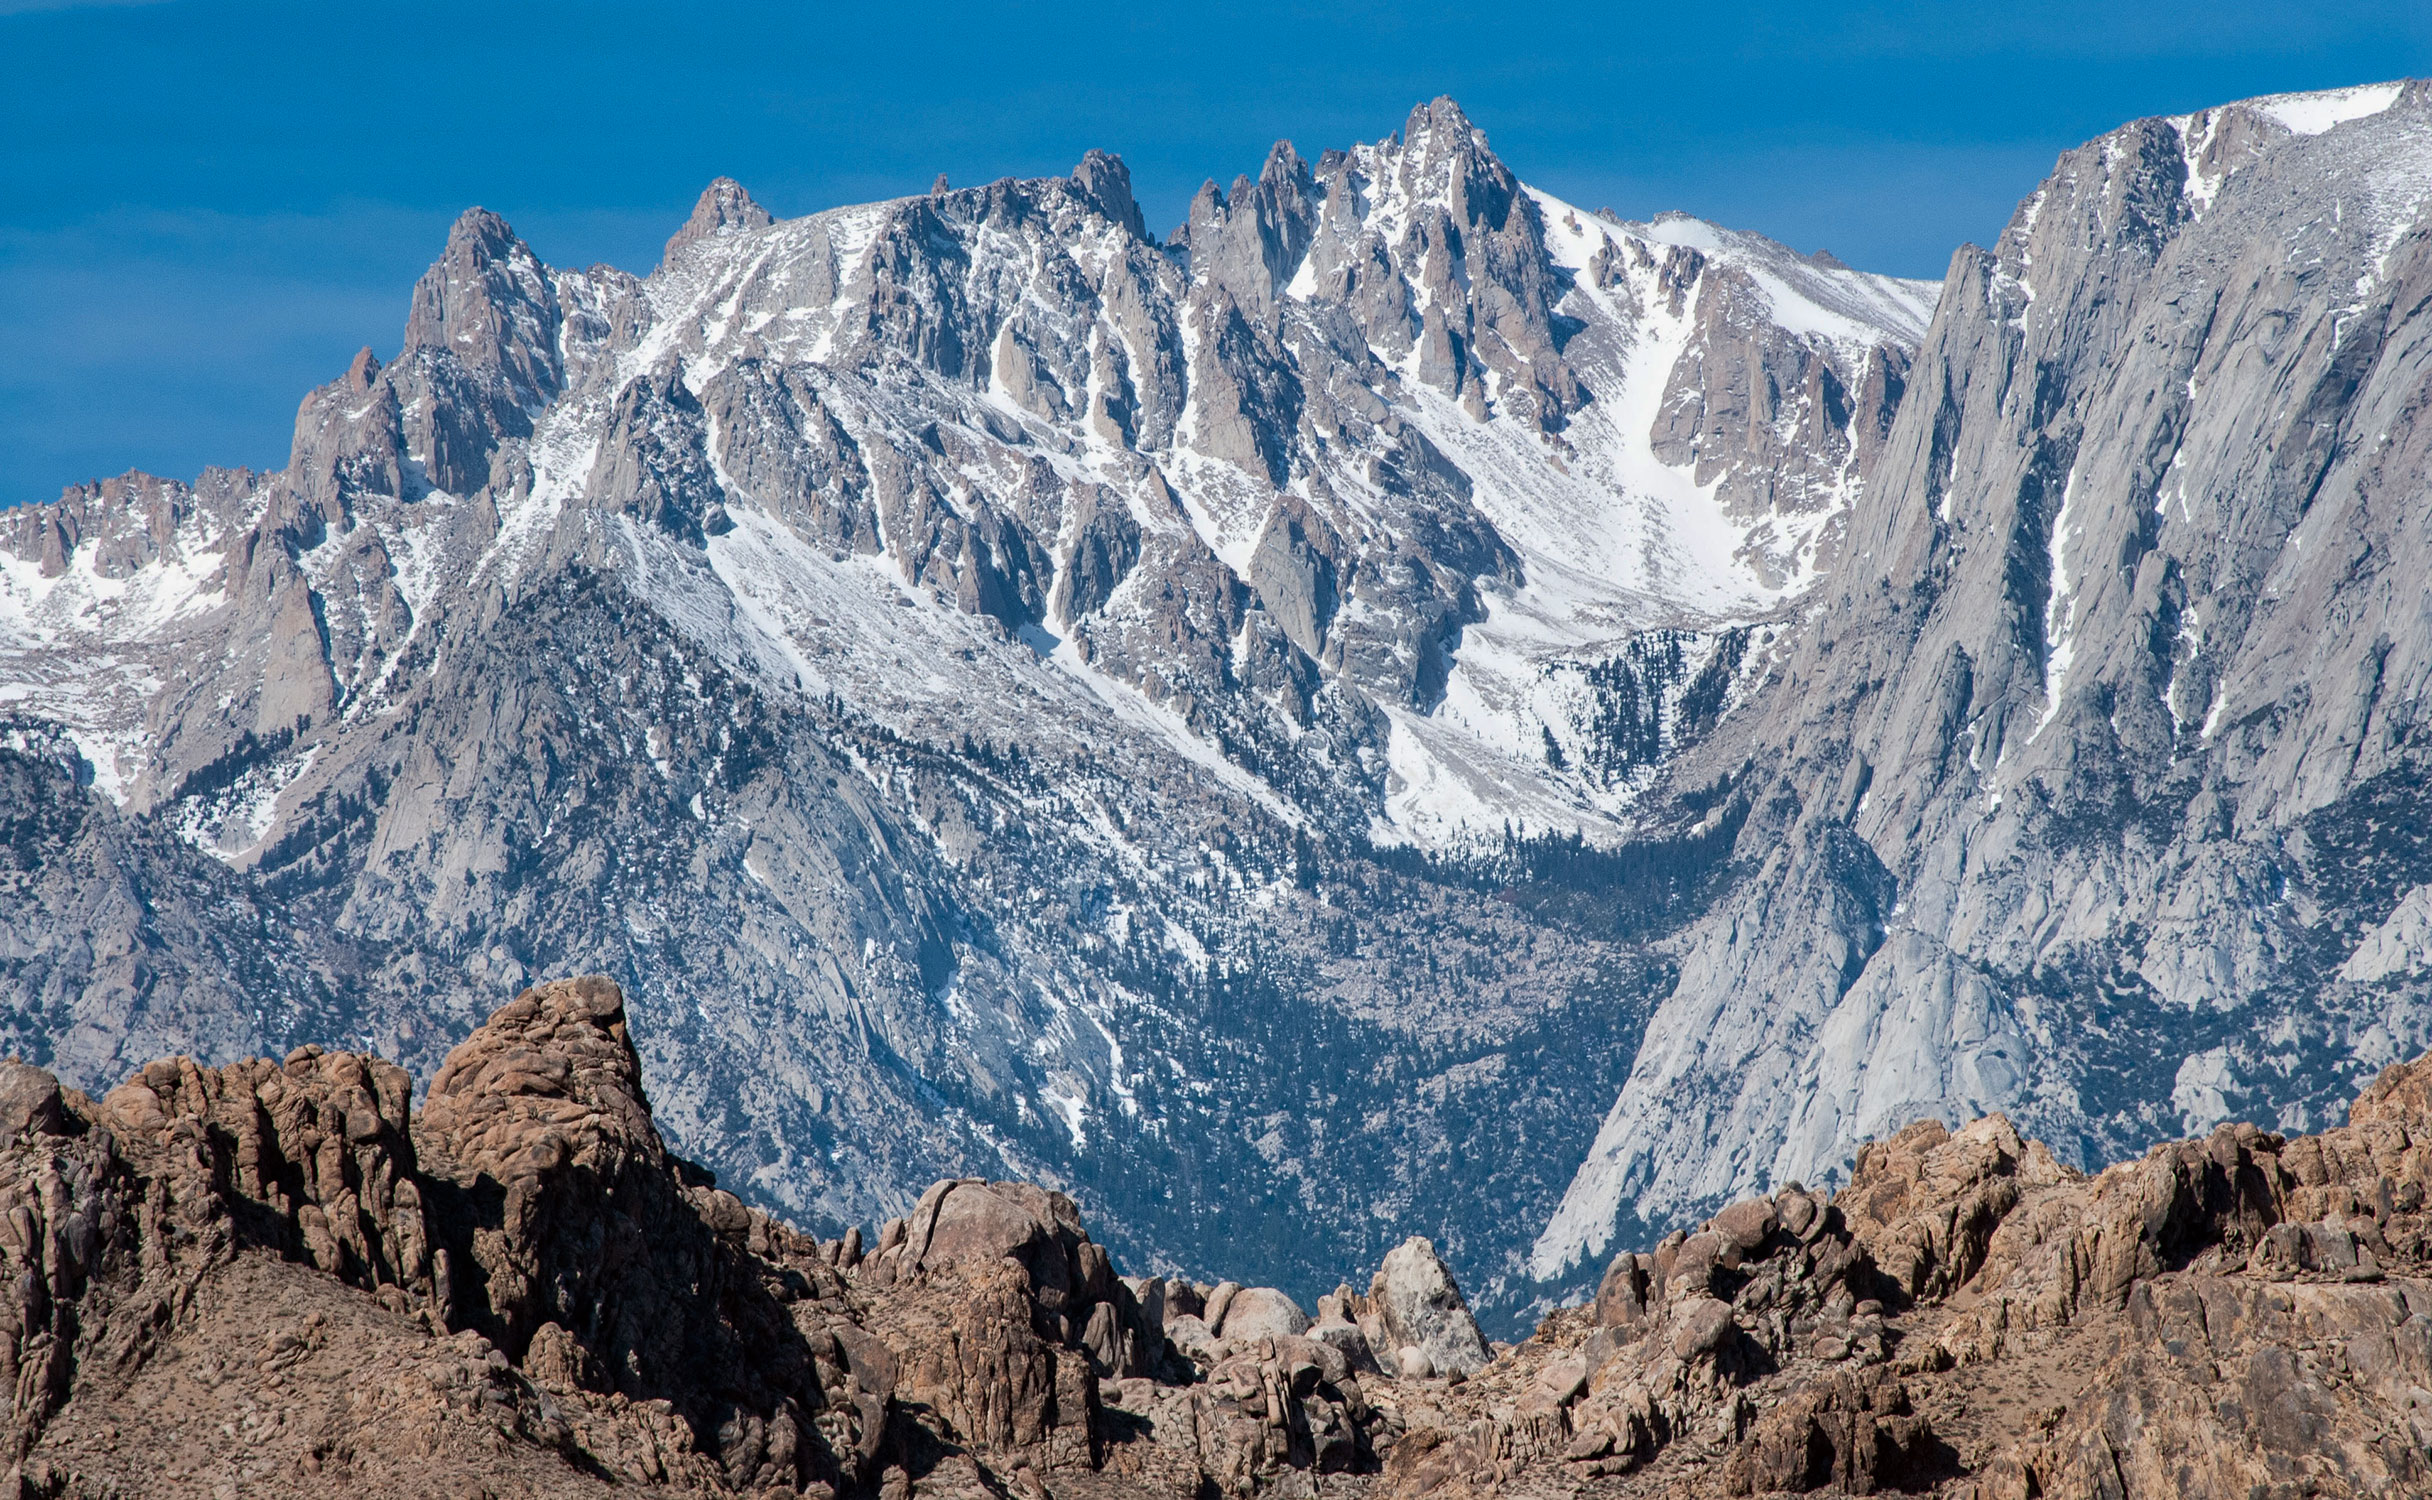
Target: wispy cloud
pixel 24 7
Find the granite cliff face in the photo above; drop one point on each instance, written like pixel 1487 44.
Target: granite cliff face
pixel 281 1277
pixel 2101 766
pixel 987 681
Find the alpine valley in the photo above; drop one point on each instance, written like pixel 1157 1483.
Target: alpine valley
pixel 1407 705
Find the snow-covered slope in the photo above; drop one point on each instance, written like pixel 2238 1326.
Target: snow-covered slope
pixel 1441 478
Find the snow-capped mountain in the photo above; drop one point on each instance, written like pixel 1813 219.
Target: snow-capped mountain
pixel 1286 729
pixel 968 666
pixel 1397 432
pixel 979 674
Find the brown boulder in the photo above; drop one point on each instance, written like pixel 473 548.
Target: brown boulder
pixel 1746 1226
pixel 969 1222
pixel 1627 1290
pixel 29 1100
pixel 1701 1328
pixel 1844 1433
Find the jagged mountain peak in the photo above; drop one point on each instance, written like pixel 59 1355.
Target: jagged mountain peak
pixel 361 369
pixel 1283 164
pixel 1283 178
pixel 481 235
pixel 1441 155
pixel 480 246
pixel 1030 293
pixel 1103 178
pixel 1434 157
pixel 1441 124
pixel 489 302
pixel 724 208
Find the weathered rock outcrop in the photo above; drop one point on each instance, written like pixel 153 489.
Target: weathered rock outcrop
pixel 2226 1316
pixel 1427 1326
pixel 534 1275
pixel 520 1288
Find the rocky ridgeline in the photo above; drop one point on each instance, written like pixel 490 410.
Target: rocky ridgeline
pixel 274 1277
pixel 521 1286
pixel 868 624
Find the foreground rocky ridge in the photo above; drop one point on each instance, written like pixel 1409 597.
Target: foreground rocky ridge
pixel 279 1276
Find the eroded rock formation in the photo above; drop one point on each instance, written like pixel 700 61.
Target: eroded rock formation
pixel 278 1278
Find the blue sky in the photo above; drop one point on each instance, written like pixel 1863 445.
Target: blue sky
pixel 207 206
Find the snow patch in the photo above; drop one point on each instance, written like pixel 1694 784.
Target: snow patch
pixel 2312 114
pixel 1069 1106
pixel 2060 644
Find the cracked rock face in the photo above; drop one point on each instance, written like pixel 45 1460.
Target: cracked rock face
pixel 2091 793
